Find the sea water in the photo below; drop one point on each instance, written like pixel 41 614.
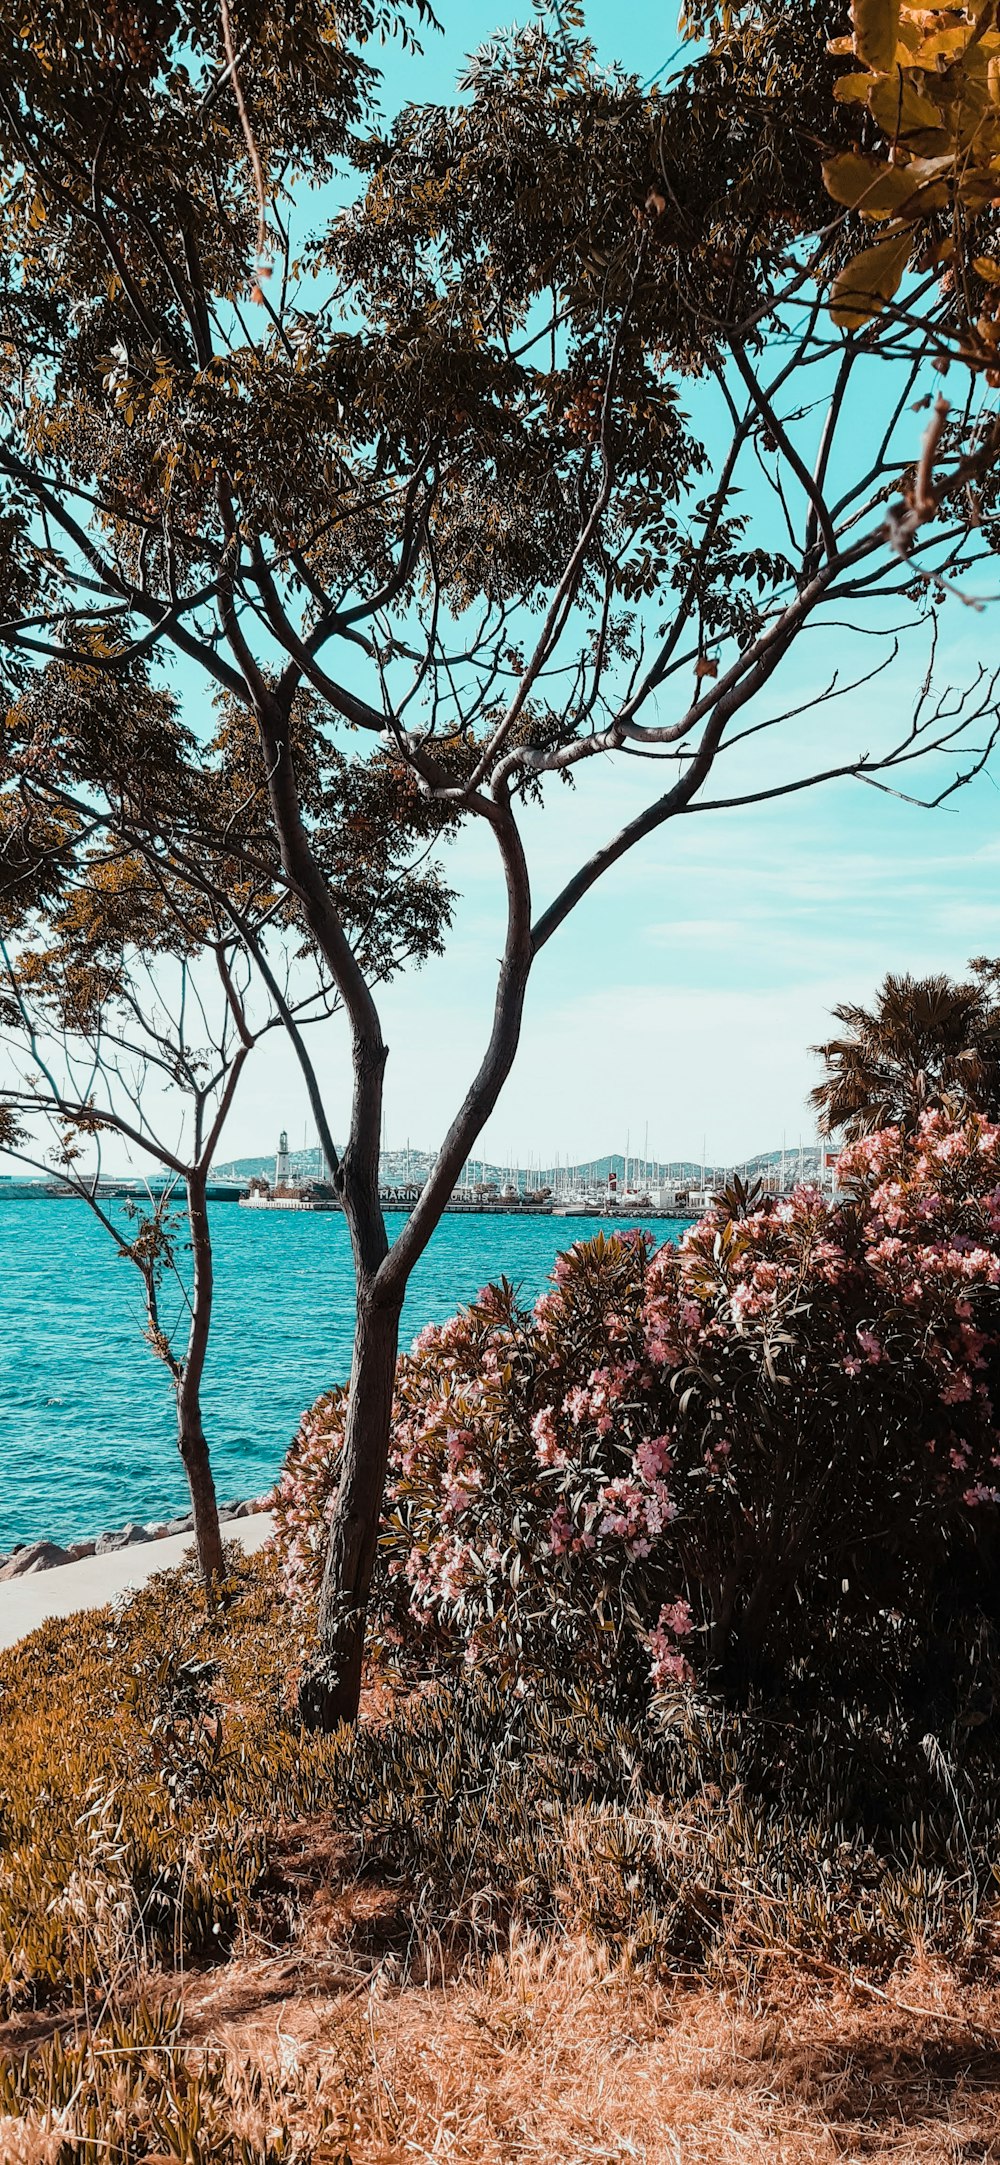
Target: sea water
pixel 87 1435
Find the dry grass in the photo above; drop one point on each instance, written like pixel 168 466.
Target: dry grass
pixel 349 2013
pixel 554 2057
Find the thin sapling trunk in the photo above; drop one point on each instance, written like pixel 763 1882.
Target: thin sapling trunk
pixel 190 1430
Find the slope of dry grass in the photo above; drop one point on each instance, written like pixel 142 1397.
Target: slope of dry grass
pixel 222 1943
pixel 552 2056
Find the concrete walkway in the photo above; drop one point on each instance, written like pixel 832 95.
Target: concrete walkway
pixel 26 1603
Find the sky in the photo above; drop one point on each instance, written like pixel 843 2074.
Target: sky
pixel 680 1001
pixel 683 995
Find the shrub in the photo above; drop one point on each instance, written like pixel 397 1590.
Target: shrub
pixel 759 1459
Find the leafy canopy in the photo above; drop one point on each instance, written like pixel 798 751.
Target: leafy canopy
pixel 926 1044
pixel 927 81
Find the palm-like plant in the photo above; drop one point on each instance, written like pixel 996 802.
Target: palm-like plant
pixel 925 1043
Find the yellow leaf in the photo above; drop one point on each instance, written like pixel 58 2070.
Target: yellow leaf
pixel 976 190
pixel 901 110
pixel 884 191
pixel 861 290
pixel 987 269
pixel 944 44
pixel 876 31
pixel 852 89
pixel 36 215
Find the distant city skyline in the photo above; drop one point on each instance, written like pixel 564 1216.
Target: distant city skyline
pixel 414 1163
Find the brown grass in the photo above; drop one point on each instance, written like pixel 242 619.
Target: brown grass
pixel 554 2054
pixel 354 2023
pixel 552 2057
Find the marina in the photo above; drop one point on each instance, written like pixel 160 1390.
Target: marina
pixel 642 1189
pixel 615 1189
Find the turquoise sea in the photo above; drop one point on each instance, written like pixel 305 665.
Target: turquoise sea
pixel 86 1413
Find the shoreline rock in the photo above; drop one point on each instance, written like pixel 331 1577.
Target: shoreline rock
pixel 36 1556
pixel 27 1557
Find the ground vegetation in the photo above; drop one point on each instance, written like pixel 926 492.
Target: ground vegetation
pixel 501 1923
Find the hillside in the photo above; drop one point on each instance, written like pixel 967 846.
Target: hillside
pixel 399 1166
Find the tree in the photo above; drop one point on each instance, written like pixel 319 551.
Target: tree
pixel 432 506
pixel 926 1045
pixel 127 1014
pixel 130 1003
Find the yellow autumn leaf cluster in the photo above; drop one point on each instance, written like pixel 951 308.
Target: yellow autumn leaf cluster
pixel 930 78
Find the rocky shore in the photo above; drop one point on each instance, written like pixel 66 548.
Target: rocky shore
pixel 30 1556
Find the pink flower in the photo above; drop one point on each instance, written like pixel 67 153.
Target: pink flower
pixel 560 1530
pixel 652 1458
pixel 957 1392
pixel 546 1439
pixel 548 1308
pixel 871 1345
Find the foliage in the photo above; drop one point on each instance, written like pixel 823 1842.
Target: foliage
pixel 927 1044
pixel 465 389
pixel 926 78
pixel 90 897
pixel 439 514
pixel 692 1837
pixel 759 1458
pixel 131 2086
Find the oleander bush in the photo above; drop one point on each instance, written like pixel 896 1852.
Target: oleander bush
pixel 763 1462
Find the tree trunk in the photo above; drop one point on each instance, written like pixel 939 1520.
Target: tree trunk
pixel 331 1689
pixel 197 1466
pixel 190 1433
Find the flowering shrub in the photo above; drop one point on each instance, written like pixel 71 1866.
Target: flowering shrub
pixel 748 1457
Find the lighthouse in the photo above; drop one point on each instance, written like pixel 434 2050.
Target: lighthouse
pixel 282 1167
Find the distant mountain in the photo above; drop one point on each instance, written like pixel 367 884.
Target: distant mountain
pixel 399 1167
pixel 306 1165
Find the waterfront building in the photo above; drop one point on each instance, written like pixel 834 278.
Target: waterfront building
pixel 287 1193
